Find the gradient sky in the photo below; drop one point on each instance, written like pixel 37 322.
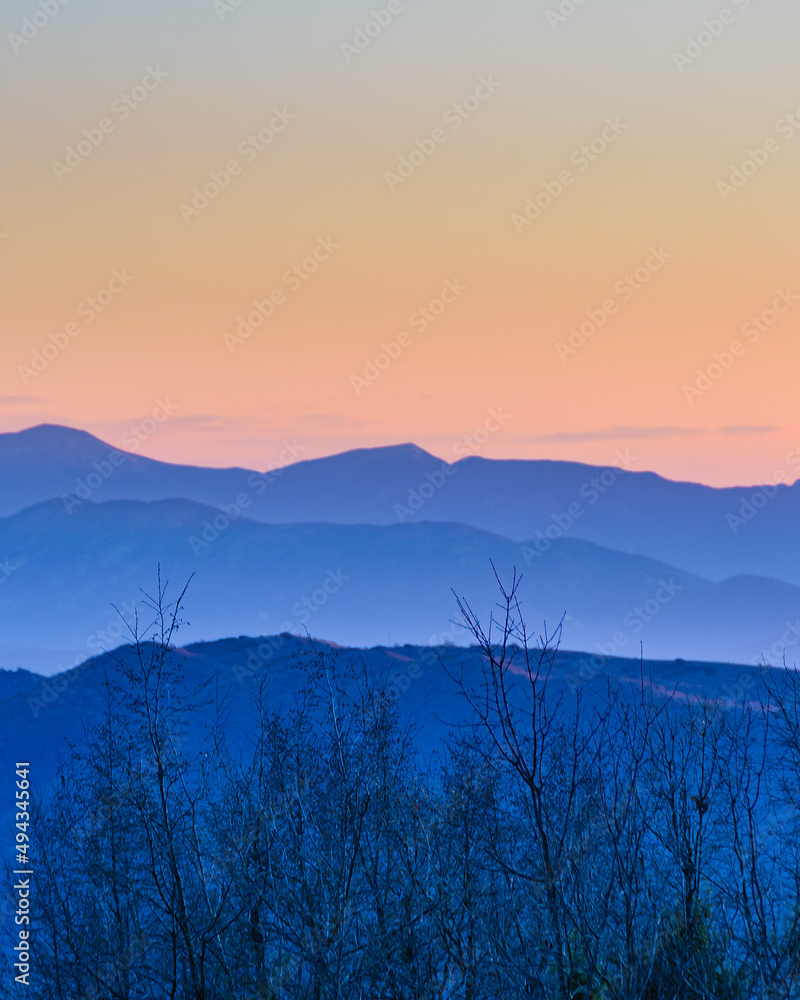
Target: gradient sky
pixel 325 177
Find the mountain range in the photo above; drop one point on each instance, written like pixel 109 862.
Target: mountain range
pixel 43 719
pixel 367 547
pixel 712 532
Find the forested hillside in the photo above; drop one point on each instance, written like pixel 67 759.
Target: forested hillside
pixel 618 841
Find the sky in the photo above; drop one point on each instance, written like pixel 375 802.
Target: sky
pixel 550 229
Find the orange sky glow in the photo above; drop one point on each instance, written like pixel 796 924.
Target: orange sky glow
pixel 304 223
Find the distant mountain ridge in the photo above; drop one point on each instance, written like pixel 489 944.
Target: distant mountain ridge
pixel 41 717
pixel 358 585
pixel 714 533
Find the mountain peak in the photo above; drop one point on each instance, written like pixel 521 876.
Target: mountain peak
pixel 383 460
pixel 52 431
pixel 405 450
pixel 48 438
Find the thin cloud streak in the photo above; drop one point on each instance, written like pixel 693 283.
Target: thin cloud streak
pixel 647 433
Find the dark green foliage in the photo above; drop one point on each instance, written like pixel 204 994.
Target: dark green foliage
pixel 688 961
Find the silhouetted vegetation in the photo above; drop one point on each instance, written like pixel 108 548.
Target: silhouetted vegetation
pixel 641 849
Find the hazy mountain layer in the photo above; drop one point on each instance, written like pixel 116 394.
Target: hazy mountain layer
pixel 40 717
pixel 357 585
pixel 714 533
